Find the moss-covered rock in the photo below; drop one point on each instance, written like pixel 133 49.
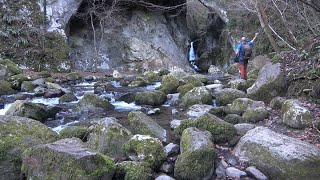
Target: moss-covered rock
pixel 67 98
pixel 152 98
pixel 66 159
pixel 220 130
pixel 228 95
pixel 198 110
pixel 241 84
pixel 147 149
pixel 203 78
pixel 255 115
pixel 29 110
pixel 11 66
pixel 139 82
pixel 107 137
pixel 169 84
pixel 191 80
pixel 93 103
pixel 142 124
pixel 75 131
pixel 102 87
pixel 184 89
pixel 233 118
pixel 27 86
pixel 130 170
pixel 5 88
pixel 44 74
pixel 53 85
pixel 73 76
pixel 295 115
pixel 18 134
pixel 152 76
pixel 279 156
pixel 240 105
pixel 277 102
pixel 193 139
pixel 198 95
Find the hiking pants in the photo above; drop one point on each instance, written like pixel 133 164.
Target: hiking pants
pixel 243 68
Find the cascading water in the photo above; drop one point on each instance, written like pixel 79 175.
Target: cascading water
pixel 193 57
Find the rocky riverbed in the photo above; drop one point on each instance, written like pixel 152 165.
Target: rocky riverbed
pixel 164 125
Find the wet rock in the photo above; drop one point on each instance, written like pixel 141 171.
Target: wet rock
pixel 152 98
pixel 89 78
pixel 164 177
pixel 169 84
pixel 147 149
pixel 18 134
pixel 214 87
pixel 50 85
pixel 166 168
pixel 75 131
pixel 203 78
pixel 241 105
pixel 117 75
pixel 243 128
pixel 67 98
pixel 232 160
pixel 142 124
pixel 73 76
pixel 214 70
pixel 175 123
pixel 295 115
pixel 174 112
pixel 22 96
pixel 52 93
pixel 66 158
pixel 255 173
pixel 52 111
pixel 39 91
pixel 198 110
pixel 172 149
pixel 270 83
pixel 128 97
pixel 28 109
pixel 277 102
pixel 235 173
pixel 220 130
pixel 39 82
pixel 102 87
pixel 107 136
pixel 5 88
pixel 93 103
pixel 27 86
pixel 196 160
pixel 139 82
pixel 233 118
pixel 228 95
pixel 154 111
pixel 133 171
pixel 279 156
pixel 198 95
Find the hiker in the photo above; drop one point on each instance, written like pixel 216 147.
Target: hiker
pixel 243 52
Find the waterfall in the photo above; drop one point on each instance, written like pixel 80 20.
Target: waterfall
pixel 193 57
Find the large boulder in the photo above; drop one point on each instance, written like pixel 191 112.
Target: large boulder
pixel 279 156
pixel 198 95
pixel 169 84
pixel 241 105
pixel 18 134
pixel 220 130
pixel 131 170
pixel 93 103
pixel 67 98
pixel 107 136
pixel 142 124
pixel 271 83
pixel 196 160
pixel 11 66
pixel 66 159
pixel 5 88
pixel 198 110
pixel 191 80
pixel 197 18
pixel 228 95
pixel 75 131
pixel 241 84
pixel 295 115
pixel 214 70
pixel 153 98
pixel 259 61
pixel 147 149
pixel 28 109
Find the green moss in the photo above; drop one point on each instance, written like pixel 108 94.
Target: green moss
pixel 11 66
pixel 129 170
pixel 27 86
pixel 220 130
pixel 192 80
pixel 140 81
pixel 184 89
pixel 152 77
pixel 67 98
pixel 73 76
pixel 169 84
pixel 198 95
pixel 255 115
pixel 44 74
pixel 75 131
pixel 153 98
pixel 91 102
pixel 5 88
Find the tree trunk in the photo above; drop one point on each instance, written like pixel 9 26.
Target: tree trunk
pixel 265 25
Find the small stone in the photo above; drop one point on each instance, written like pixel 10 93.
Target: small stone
pixel 232 160
pixel 220 170
pixel 166 168
pixel 175 123
pixel 172 149
pixel 117 75
pixel 174 112
pixel 233 172
pixel 217 82
pixel 155 111
pixel 255 173
pixel 164 177
pixel 224 163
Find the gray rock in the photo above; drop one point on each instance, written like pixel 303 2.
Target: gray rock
pixel 214 70
pixel 117 75
pixel 198 95
pixel 164 177
pixel 193 139
pixel 228 95
pixel 270 83
pixel 220 170
pixel 255 173
pixel 255 115
pixel 232 160
pixel 50 85
pixel 241 105
pixel 233 118
pixel 174 112
pixel 235 173
pixel 152 98
pixel 52 93
pixel 279 156
pixel 166 168
pixel 175 123
pixel 142 124
pixel 295 115
pixel 214 87
pixel 93 103
pixel 243 128
pixel 172 149
pixel 154 111
pixel 39 82
pixel 198 110
pixel 277 102
pixel 259 61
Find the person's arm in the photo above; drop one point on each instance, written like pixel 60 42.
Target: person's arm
pixel 238 49
pixel 255 36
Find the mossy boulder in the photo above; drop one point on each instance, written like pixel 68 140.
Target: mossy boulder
pixel 5 88
pixel 203 78
pixel 191 80
pixel 279 156
pixel 198 95
pixel 271 83
pixel 4 72
pixel 44 74
pixel 152 98
pixel 193 139
pixel 11 66
pixel 259 61
pixel 28 110
pixel 182 90
pixel 27 86
pixel 240 105
pixel 50 85
pixel 198 110
pixel 139 82
pixel 277 102
pixel 295 115
pixel 102 87
pixel 66 159
pixel 233 118
pixel 130 170
pixel 220 130
pixel 241 84
pixel 67 98
pixel 147 149
pixel 152 76
pixel 75 131
pixel 142 124
pixel 73 76
pixel 18 134
pixel 178 73
pixel 169 84
pixel 255 115
pixel 228 95
pixel 93 103
pixel 107 137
